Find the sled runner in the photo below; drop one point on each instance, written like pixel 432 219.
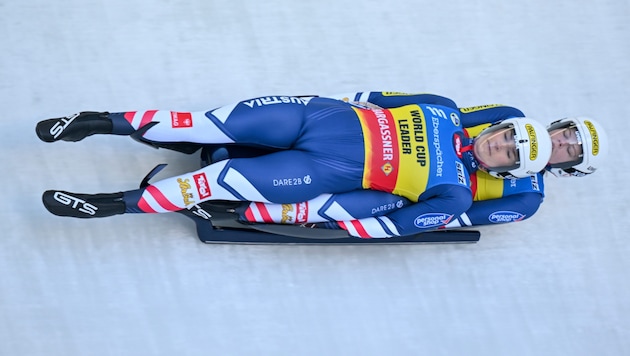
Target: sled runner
pixel 216 224
pixel 224 230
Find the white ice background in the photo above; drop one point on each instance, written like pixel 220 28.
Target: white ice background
pixel 556 284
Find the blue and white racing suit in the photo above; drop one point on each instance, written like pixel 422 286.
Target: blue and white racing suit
pixel 408 153
pixel 495 200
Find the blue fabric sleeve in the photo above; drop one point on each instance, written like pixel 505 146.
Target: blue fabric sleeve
pixel 434 212
pixel 512 208
pixel 392 100
pixel 487 114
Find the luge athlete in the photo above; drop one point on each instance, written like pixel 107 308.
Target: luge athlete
pixel 418 151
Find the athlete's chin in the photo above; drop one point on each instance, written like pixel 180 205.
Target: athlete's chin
pixel 483 159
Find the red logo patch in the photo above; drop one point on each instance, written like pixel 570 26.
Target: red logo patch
pixel 457 143
pixel 301 214
pixel 181 119
pixel 203 188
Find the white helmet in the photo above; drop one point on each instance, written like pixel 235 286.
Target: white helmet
pixel 532 147
pixel 590 135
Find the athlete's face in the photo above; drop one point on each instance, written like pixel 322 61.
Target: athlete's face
pixel 496 149
pixel 566 147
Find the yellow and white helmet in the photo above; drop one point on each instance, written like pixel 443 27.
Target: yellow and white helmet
pixel 588 135
pixel 532 147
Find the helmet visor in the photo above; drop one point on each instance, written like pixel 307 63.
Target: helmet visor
pixel 566 143
pixel 496 148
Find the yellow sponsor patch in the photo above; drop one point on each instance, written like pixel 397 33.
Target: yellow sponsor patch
pixel 184 185
pixel 478 108
pixel 394 93
pixel 415 159
pixel 594 136
pixel 533 142
pixel 286 214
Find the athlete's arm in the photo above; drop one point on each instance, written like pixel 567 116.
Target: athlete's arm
pixel 394 99
pixel 438 208
pixel 512 208
pixel 487 114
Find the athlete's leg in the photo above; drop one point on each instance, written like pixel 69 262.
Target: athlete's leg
pixel 352 205
pixel 329 152
pixel 282 177
pixel 267 121
pixel 326 156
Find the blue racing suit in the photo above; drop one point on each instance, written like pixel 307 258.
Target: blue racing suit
pixel 412 151
pixel 495 200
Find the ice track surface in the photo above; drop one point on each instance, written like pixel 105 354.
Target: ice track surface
pixel 143 285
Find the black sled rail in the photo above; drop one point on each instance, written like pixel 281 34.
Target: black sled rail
pixel 225 229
